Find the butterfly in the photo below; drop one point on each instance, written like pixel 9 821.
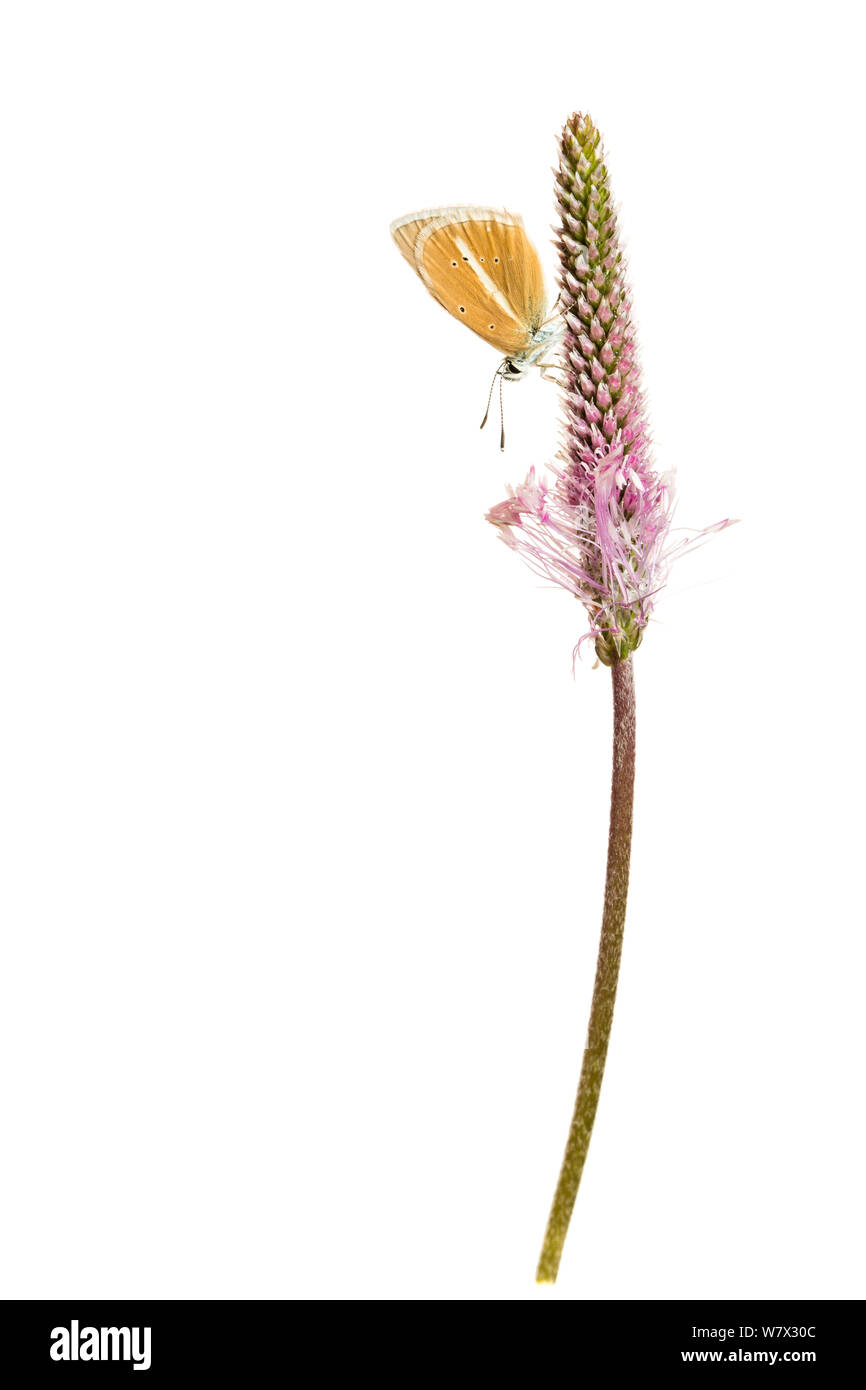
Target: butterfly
pixel 481 266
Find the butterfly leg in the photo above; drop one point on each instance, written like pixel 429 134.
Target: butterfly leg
pixel 547 370
pixel 553 314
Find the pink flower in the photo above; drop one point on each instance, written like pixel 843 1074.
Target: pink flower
pixel 602 528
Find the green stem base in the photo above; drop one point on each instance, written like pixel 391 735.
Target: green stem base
pixel 606 975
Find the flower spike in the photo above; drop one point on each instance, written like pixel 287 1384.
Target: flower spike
pixel 601 529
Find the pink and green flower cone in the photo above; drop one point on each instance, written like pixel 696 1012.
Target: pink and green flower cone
pixel 601 526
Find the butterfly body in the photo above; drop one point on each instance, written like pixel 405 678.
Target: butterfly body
pixel 515 368
pixel 480 265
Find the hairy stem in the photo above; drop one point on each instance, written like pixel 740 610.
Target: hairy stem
pixel 606 975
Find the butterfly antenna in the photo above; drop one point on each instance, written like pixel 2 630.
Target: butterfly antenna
pixel 490 396
pixel 501 418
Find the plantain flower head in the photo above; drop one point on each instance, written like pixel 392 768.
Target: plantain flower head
pixel 601 527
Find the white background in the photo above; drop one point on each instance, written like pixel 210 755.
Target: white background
pixel 303 811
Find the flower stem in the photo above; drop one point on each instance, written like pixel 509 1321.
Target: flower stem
pixel 606 975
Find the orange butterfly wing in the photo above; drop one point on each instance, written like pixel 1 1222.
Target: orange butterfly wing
pixel 481 266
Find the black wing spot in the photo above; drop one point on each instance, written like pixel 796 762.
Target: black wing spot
pixel 453 262
pixel 462 309
pixel 495 260
pixel 491 325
